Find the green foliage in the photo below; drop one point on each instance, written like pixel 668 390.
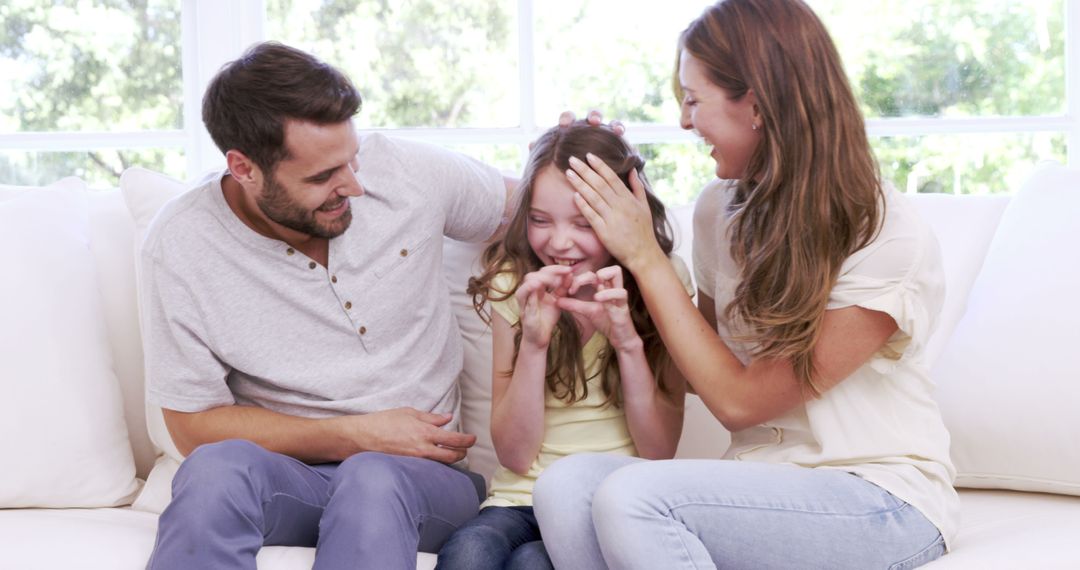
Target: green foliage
pixel 101 65
pixel 425 63
pixel 114 65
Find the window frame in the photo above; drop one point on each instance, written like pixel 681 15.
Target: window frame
pixel 213 33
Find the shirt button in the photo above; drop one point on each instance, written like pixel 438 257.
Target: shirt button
pixel 348 305
pixel 333 278
pixel 290 251
pixel 363 330
pixel 312 265
pixel 404 252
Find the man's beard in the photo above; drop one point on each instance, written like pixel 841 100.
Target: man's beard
pixel 277 206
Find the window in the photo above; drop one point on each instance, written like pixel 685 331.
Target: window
pixel 960 96
pixel 77 101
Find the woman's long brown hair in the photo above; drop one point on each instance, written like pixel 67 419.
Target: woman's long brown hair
pixel 565 376
pixel 811 194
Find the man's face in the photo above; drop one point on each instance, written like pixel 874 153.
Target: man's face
pixel 309 191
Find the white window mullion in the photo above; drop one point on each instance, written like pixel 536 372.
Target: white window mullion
pixel 1072 82
pixel 79 141
pixel 917 126
pixel 214 33
pixel 526 75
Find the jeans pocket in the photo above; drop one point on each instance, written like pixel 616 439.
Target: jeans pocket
pixel 928 554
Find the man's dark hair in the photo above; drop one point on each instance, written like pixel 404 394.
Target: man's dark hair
pixel 250 99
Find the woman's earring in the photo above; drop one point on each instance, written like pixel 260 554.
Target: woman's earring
pixel 753 126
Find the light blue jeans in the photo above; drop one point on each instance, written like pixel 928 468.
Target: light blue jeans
pixel 598 511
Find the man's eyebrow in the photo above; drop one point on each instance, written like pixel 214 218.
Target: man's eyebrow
pixel 323 174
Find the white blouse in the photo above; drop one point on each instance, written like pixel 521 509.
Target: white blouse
pixel 880 423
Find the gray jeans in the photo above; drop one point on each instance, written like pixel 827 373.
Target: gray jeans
pixel 372 510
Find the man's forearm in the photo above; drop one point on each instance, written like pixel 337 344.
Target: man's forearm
pixel 309 440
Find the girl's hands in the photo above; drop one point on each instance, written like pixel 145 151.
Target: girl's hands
pixel 620 217
pixel 608 311
pixel 538 297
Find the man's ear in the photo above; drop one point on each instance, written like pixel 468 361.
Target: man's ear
pixel 243 170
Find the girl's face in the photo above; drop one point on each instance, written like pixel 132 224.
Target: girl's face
pixel 558 233
pixel 725 124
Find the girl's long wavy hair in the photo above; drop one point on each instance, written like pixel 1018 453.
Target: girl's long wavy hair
pixel 565 375
pixel 811 194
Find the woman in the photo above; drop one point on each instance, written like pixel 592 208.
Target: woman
pixel 817 292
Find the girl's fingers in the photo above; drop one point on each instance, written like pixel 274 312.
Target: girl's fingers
pixel 611 277
pixel 611 295
pixel 587 278
pixel 585 308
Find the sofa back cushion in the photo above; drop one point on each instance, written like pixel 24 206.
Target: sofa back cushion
pixel 1007 378
pixel 65 442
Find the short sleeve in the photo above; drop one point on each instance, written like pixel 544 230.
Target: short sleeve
pixel 471 194
pixel 182 372
pixel 708 231
pixel 902 277
pixel 684 274
pixel 508 309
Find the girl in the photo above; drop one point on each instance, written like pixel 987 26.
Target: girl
pixel 578 364
pixel 818 292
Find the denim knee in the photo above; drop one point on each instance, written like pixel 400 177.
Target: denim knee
pixel 474 547
pixel 221 467
pixel 529 556
pixel 553 486
pixel 371 473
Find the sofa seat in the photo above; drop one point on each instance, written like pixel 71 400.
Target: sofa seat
pixel 110 539
pixel 1013 530
pixel 1001 529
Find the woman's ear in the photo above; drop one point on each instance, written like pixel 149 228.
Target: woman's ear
pixel 755 111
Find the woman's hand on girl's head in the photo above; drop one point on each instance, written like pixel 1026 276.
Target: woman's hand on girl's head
pixel 608 311
pixel 537 296
pixel 620 217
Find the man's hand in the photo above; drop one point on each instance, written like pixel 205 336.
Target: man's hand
pixel 407 431
pixel 594 117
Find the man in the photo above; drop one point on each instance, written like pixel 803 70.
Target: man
pixel 300 338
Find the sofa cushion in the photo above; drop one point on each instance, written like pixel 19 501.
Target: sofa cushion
pixel 1008 530
pixel 1007 382
pixel 964 226
pixel 57 374
pixel 112 539
pixel 145 192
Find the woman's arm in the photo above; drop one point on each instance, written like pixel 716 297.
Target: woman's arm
pixel 743 396
pixel 739 396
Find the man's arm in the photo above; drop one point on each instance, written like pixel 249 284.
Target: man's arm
pixel 511 184
pixel 401 431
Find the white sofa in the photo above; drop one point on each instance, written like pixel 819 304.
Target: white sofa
pixel 78 446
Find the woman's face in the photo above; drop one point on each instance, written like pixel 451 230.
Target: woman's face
pixel 726 125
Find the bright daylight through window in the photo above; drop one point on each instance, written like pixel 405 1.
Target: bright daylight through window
pixel 961 96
